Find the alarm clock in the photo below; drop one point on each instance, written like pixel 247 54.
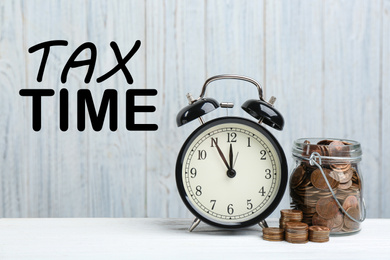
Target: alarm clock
pixel 231 172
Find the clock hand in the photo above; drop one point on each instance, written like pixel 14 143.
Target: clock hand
pixel 235 160
pixel 222 156
pixel 231 156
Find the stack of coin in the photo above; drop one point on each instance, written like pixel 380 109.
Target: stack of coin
pixel 289 215
pixel 319 234
pixel 296 232
pixel 273 234
pixel 310 193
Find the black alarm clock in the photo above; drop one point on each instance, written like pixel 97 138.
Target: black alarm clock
pixel 231 172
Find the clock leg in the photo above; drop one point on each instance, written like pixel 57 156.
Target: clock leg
pixel 263 224
pixel 194 224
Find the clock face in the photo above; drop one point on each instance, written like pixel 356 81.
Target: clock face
pixel 231 172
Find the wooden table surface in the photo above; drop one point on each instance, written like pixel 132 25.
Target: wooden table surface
pixel 142 238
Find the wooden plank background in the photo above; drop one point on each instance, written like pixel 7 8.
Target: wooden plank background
pixel 327 62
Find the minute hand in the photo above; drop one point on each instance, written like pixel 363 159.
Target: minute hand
pixel 222 156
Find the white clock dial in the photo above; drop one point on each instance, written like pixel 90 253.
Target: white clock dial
pixel 231 172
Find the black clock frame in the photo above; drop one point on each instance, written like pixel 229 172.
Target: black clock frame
pixel 201 129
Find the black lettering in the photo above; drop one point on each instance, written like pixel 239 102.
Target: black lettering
pixel 110 97
pixel 131 109
pixel 46 50
pixel 36 95
pixel 121 62
pixel 64 109
pixel 72 63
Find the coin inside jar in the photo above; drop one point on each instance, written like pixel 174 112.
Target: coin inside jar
pixel 327 208
pixel 350 202
pixel 319 182
pixel 343 176
pixel 337 148
pixel 298 176
pixel 340 167
pixel 345 186
pixel 319 221
pixel 324 150
pixel 338 222
pixel 324 142
pixel 349 223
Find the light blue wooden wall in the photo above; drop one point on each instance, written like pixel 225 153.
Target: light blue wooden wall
pixel 327 62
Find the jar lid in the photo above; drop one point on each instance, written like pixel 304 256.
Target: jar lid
pixel 327 148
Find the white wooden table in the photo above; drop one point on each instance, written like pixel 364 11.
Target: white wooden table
pixel 136 238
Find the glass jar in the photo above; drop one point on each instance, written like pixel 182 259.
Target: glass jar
pixel 326 183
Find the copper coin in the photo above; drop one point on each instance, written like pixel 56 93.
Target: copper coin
pixel 343 177
pixel 350 202
pixel 337 228
pixel 338 222
pixel 296 232
pixel 319 234
pixel 308 149
pixel 338 149
pixel 319 221
pixel 341 167
pixel 336 175
pixel 299 240
pixel 318 180
pixel 349 223
pixel 338 219
pixel 327 208
pixel 336 143
pixel 356 179
pixel 273 234
pixel 355 187
pixel 274 237
pixel 297 177
pixel 345 186
pixel 272 230
pixel 291 213
pixel 324 142
pixel 296 226
pixel 319 229
pixel 324 150
pixel 306 182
